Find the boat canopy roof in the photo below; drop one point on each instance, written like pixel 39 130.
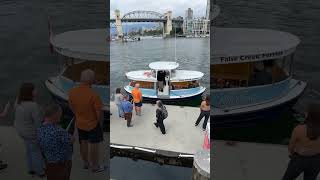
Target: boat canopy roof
pixel 163 65
pixel 237 45
pixel 180 75
pixel 87 44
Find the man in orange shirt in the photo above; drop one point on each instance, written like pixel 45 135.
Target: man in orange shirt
pixel 137 99
pixel 87 107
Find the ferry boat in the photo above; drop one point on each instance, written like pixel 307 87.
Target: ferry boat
pixel 252 75
pixel 80 50
pixel 165 82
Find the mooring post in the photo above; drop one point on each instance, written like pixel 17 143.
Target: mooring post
pixel 201 165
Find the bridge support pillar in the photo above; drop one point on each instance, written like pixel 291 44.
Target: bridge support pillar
pixel 118 24
pixel 168 23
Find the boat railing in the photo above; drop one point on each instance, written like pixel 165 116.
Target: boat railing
pixel 283 94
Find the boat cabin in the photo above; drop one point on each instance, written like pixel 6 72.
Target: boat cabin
pixel 251 73
pixel 83 49
pixel 164 79
pixel 251 57
pixel 73 68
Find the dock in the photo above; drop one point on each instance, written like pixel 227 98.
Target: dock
pixel 12 151
pixel 145 141
pixel 248 161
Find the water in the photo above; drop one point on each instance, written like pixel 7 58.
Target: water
pixel 192 54
pixel 297 17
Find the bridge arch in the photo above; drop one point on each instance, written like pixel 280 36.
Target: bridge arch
pixel 143 14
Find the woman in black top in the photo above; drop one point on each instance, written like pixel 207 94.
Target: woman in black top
pixel 160 117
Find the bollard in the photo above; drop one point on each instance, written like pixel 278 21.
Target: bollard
pixel 201 165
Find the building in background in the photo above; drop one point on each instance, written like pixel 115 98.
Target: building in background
pixel 197 26
pixel 187 23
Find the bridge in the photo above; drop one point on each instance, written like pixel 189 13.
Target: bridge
pixel 146 16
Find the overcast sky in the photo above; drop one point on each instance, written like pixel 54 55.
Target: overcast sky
pixel 177 7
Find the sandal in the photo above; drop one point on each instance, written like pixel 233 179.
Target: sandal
pixel 99 169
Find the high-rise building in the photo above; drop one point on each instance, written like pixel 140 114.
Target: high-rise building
pixel 189 14
pixel 187 23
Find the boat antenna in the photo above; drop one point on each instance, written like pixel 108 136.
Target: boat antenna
pixel 175 43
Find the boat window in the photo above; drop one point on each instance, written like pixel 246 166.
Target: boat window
pixel 230 75
pixel 143 84
pixel 251 73
pixel 100 68
pixel 184 85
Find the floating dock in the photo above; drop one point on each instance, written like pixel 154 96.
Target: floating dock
pixel 145 141
pixel 12 151
pixel 249 161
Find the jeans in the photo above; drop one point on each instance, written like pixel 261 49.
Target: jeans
pixel 120 111
pixel 35 161
pixel 206 115
pixel 309 165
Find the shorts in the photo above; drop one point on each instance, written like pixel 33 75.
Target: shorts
pixel 139 104
pixel 93 136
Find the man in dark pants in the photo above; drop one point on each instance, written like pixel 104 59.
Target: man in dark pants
pixel 160 117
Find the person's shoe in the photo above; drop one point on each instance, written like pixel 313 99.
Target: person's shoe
pixel 31 173
pixel 196 124
pixel 203 129
pixel 129 126
pixel 99 169
pixel 85 167
pixel 156 125
pixel 3 166
pixel 41 175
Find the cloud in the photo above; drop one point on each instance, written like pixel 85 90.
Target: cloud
pixel 178 7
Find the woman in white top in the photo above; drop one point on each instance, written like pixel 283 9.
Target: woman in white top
pixel 26 121
pixel 118 100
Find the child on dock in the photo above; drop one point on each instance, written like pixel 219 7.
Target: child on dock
pixel 56 145
pixel 127 108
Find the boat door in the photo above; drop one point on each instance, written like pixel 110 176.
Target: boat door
pixel 163 83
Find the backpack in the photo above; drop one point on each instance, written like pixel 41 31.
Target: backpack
pixel 165 112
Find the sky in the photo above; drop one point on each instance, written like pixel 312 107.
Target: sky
pixel 178 7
